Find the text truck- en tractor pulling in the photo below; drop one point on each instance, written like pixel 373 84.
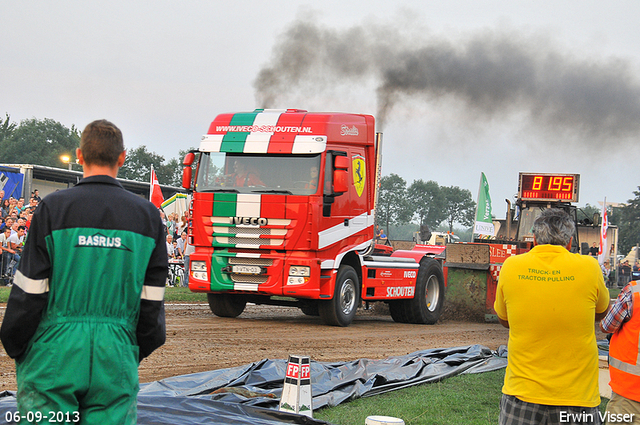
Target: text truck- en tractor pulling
pixel 283 213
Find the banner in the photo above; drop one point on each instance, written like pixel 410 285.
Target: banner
pixel 484 222
pixel 155 193
pixel 603 250
pixel 178 203
pixel 11 181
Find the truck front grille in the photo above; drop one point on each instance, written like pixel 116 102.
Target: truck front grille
pixel 227 234
pixel 265 262
pixel 243 278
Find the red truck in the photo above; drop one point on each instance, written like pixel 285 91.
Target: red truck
pixel 282 209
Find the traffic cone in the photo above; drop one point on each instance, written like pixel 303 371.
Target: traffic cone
pixel 296 394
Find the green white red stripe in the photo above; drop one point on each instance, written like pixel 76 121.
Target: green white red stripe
pixel 264 131
pixel 229 210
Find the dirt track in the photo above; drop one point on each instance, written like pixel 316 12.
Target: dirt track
pixel 198 341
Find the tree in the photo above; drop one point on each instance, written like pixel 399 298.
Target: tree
pixel 459 206
pixel 628 219
pixel 393 207
pixel 137 165
pixel 39 142
pixel 6 128
pixel 587 213
pixel 43 142
pixel 428 203
pixel 138 162
pixel 175 167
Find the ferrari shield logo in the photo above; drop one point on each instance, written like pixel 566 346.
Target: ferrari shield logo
pixel 358 173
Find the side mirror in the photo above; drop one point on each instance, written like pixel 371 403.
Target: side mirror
pixel 341 163
pixel 188 159
pixel 341 174
pixel 187 172
pixel 340 181
pixel 187 177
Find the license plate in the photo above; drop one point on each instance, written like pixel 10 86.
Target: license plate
pixel 246 269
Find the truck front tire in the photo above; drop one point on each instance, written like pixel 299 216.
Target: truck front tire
pixel 226 305
pixel 398 310
pixel 341 310
pixel 310 308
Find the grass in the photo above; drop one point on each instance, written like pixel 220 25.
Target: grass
pixel 170 295
pixel 614 292
pixel 4 294
pixel 463 399
pixel 180 294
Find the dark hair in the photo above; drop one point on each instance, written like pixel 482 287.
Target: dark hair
pixel 101 143
pixel 22 227
pixel 554 227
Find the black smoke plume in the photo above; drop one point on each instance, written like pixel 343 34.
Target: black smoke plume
pixel 491 73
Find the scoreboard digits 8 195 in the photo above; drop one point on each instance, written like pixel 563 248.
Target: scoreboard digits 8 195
pixel 548 187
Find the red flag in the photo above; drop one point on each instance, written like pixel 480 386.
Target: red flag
pixel 155 194
pixel 602 250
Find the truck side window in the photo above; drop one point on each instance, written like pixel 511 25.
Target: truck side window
pixel 328 174
pixel 329 194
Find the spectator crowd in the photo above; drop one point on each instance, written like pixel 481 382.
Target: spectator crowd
pixel 176 234
pixel 15 219
pixel 178 247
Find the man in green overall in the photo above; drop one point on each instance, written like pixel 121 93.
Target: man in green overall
pixel 87 302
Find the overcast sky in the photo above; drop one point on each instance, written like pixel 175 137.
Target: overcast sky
pixel 458 87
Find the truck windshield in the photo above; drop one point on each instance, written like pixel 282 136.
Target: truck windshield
pixel 242 173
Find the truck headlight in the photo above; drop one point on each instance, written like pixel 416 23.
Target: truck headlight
pixel 298 275
pixel 198 266
pixel 198 270
pixel 303 271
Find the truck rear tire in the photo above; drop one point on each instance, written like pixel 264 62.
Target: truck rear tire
pixel 341 310
pixel 426 305
pixel 226 305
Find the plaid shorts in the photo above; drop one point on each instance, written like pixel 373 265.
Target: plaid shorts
pixel 514 411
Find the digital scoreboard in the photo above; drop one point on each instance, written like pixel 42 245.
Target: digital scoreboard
pixel 549 187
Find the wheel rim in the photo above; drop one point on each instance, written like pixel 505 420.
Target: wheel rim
pixel 432 293
pixel 347 296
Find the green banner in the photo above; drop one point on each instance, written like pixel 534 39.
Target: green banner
pixel 484 222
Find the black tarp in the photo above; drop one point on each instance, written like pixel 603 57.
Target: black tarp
pixel 187 399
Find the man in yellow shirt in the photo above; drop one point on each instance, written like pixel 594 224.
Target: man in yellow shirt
pixel 549 299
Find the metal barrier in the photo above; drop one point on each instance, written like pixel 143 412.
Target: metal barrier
pixel 6 279
pixel 176 272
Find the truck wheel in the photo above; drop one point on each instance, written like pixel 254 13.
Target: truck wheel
pixel 428 301
pixel 310 309
pixel 398 310
pixel 341 310
pixel 226 305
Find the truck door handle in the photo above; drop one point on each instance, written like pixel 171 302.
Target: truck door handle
pixel 346 222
